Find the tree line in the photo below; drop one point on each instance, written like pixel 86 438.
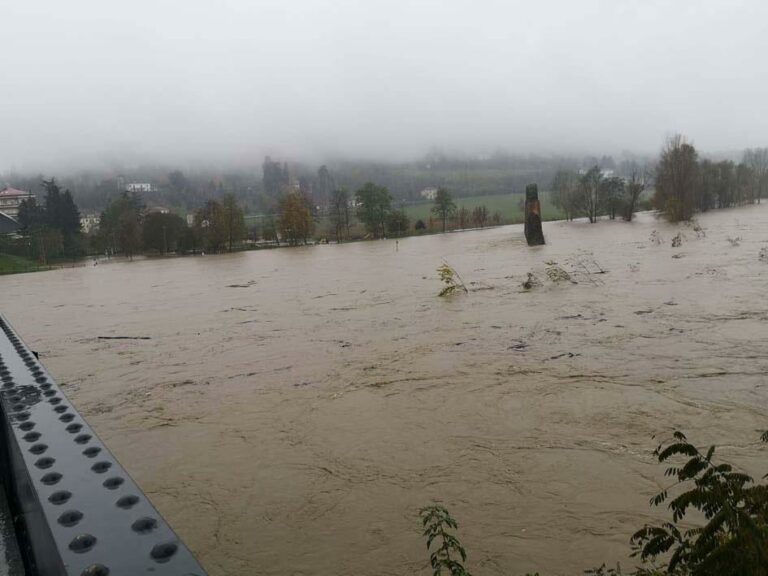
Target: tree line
pixel 127 227
pixel 50 230
pixel 686 184
pixel 682 184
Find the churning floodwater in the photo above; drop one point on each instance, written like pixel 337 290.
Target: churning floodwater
pixel 289 411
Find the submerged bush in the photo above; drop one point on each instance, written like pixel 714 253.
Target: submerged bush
pixel 732 541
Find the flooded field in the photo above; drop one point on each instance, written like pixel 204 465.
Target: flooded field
pixel 289 411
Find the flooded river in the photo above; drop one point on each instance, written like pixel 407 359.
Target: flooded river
pixel 290 410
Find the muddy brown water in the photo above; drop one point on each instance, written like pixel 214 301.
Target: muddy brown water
pixel 292 409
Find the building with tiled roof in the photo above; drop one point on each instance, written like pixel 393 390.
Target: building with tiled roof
pixel 11 199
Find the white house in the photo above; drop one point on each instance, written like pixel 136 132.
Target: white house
pixel 89 222
pixel 429 193
pixel 139 187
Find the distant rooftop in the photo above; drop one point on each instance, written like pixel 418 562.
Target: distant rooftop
pixel 14 192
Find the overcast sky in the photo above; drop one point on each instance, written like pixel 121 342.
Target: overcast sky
pixel 225 81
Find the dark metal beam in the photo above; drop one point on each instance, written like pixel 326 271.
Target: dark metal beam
pixel 77 511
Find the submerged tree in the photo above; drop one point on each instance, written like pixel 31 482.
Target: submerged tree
pixel 611 195
pixel 676 180
pixel 589 198
pixel 636 183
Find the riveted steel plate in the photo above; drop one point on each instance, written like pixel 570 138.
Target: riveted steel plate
pixel 79 513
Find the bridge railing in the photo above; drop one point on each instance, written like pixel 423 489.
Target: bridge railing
pixel 77 512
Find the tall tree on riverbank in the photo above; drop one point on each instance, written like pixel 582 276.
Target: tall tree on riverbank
pixel 339 213
pixel 444 206
pixel 612 193
pixel 589 199
pixel 53 228
pixel 233 220
pixel 676 179
pixel 757 160
pixel 636 183
pixel 373 205
pixel 43 241
pixel 295 218
pixel 210 224
pixel 565 187
pixel 61 214
pixel 163 232
pixel 398 222
pixel 120 224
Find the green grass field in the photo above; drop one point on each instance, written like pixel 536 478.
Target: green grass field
pixel 14 264
pixel 508 205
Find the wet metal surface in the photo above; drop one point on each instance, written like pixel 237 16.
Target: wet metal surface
pixel 80 513
pixel 10 557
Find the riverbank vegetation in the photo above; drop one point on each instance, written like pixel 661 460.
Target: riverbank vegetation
pixel 718 525
pixel 298 208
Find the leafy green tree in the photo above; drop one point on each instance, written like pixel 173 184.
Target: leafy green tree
pixel 31 216
pixel 373 206
pixel 612 193
pixel 163 232
pixel 709 175
pixel 57 219
pixel 444 206
pixel 43 241
pixel 211 224
pixel 121 222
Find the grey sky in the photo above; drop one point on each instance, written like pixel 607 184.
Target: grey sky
pixel 88 82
